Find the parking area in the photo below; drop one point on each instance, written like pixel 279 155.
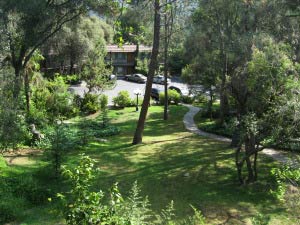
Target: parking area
pixel 123 85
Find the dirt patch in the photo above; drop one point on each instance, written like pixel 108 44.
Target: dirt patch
pixel 19 160
pixel 21 156
pixel 23 152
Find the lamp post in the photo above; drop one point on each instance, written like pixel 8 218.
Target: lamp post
pixel 137 92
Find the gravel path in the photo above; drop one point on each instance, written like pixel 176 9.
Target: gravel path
pixel 190 125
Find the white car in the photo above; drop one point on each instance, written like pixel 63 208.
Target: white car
pixel 160 79
pixel 139 78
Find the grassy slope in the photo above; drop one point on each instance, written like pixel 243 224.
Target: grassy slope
pixel 160 165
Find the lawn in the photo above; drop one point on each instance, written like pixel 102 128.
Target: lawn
pixel 171 164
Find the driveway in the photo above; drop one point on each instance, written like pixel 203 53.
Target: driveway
pixel 121 85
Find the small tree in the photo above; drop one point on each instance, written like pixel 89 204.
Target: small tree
pixel 103 107
pixel 95 71
pixel 122 100
pixel 258 90
pixel 58 141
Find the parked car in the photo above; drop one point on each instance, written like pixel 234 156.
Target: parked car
pixel 160 79
pixel 112 77
pixel 182 91
pixel 139 78
pixel 155 93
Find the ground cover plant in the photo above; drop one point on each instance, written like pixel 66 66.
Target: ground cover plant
pixel 171 164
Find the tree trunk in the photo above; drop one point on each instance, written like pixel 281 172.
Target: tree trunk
pixel 71 67
pixel 250 177
pixel 210 103
pixel 17 82
pixel 137 52
pixel 223 96
pixel 166 69
pixel 239 165
pixel 250 151
pixel 153 62
pixel 27 92
pixel 255 166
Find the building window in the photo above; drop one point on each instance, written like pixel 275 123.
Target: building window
pixel 119 70
pixel 120 56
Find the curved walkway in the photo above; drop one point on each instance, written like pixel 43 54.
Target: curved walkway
pixel 190 125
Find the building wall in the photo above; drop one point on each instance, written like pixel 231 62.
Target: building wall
pixel 123 62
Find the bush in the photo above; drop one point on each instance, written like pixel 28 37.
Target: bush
pixel 227 129
pixel 215 112
pixel 103 102
pixel 187 99
pixel 90 103
pixel 122 100
pixel 107 132
pixel 89 129
pixel 201 98
pixel 37 117
pixel 60 101
pixel 173 97
pixel 77 101
pixel 72 79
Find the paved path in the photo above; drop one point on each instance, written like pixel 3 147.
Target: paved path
pixel 190 125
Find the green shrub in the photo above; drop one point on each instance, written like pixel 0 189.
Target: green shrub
pixel 187 99
pixel 107 132
pixel 72 79
pixel 122 100
pixel 103 102
pixel 90 103
pixel 201 98
pixel 213 126
pixel 37 117
pixel 215 111
pixel 173 97
pixel 60 101
pixel 89 129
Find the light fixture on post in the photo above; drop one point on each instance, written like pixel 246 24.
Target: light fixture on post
pixel 137 92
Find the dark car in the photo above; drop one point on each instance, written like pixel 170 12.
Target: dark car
pixel 155 93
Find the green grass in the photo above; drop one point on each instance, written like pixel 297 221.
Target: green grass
pixel 171 164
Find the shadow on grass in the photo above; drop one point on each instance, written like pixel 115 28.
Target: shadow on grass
pixel 173 164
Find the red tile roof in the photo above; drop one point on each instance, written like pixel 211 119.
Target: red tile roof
pixel 127 48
